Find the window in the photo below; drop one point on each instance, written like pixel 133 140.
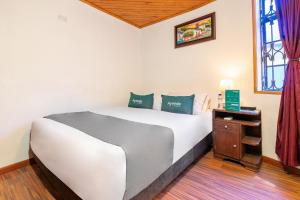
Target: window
pixel 271 60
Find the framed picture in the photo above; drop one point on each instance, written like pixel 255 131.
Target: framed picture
pixel 195 31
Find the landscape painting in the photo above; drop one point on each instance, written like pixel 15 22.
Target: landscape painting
pixel 198 30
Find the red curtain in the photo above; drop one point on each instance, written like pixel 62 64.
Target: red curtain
pixel 288 128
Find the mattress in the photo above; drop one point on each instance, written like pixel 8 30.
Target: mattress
pixel 96 170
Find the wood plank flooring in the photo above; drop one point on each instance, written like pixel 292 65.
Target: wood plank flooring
pixel 209 179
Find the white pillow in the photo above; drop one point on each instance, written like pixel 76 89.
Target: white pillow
pixel 157 102
pixel 200 103
pixel 206 105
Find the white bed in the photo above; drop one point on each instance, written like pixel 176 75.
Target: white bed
pixel 97 170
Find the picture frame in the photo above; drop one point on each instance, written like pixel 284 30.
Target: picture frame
pixel 195 31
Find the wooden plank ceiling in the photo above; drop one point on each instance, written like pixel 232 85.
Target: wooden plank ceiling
pixel 144 13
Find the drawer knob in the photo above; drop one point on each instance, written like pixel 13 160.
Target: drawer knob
pixel 234 146
pixel 226 126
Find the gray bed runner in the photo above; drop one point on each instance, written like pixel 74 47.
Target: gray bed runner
pixel 148 148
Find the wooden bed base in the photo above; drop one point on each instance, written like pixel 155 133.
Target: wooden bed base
pixel 62 192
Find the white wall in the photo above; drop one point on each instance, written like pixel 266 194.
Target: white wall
pixel 62 55
pixel 59 56
pixel 200 67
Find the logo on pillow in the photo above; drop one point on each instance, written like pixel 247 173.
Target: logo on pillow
pixel 174 104
pixel 137 101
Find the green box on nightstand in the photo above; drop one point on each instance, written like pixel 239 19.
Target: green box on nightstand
pixel 232 100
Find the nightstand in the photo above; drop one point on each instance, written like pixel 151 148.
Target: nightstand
pixel 238 139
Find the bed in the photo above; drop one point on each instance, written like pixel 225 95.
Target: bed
pixel 80 166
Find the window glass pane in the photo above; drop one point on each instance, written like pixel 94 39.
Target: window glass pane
pixel 276 34
pixel 267 54
pixel 269 77
pixel 274 6
pixel 276 83
pixel 269 6
pixel 263 78
pixel 278 46
pixel 268 32
pixel 278 58
pixel 279 76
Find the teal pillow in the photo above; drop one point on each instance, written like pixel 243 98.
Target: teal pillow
pixel 141 101
pixel 178 104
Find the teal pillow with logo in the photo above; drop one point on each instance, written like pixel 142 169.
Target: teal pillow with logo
pixel 178 104
pixel 141 101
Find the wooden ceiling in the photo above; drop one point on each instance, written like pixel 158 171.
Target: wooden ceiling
pixel 144 13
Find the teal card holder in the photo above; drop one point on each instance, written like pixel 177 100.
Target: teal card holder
pixel 232 100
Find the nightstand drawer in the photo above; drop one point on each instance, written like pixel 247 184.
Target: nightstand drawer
pixel 225 126
pixel 227 139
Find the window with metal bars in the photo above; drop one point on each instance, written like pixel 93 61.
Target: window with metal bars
pixel 273 57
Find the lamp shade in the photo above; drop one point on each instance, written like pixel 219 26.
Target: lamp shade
pixel 226 84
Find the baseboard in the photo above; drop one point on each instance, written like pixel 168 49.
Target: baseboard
pixel 271 161
pixel 290 170
pixel 15 166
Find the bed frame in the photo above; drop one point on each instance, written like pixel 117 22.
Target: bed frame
pixel 62 192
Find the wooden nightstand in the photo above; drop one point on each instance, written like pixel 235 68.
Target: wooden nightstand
pixel 238 139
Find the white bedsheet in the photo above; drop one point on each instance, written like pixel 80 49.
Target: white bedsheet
pixel 96 170
pixel 188 129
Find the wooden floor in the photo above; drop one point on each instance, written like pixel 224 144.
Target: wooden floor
pixel 209 179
